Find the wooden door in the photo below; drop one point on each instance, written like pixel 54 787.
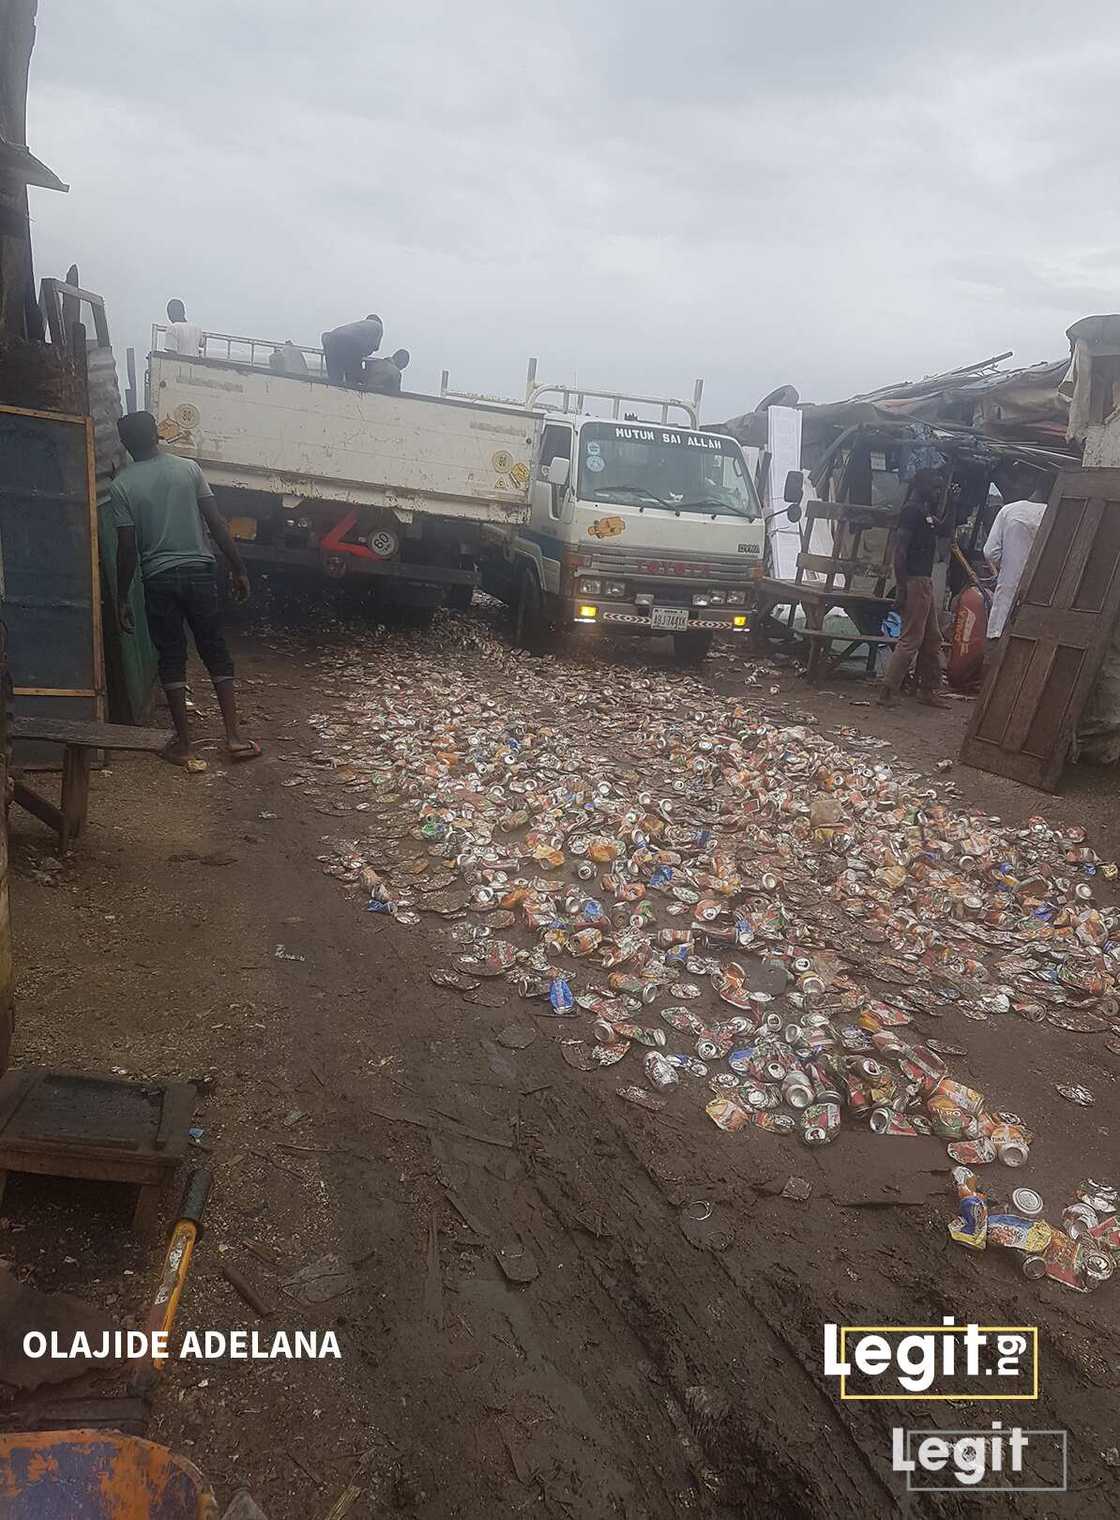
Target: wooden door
pixel 1055 637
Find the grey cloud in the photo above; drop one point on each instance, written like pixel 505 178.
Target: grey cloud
pixel 837 196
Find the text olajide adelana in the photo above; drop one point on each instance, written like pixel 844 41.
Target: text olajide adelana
pixel 198 1345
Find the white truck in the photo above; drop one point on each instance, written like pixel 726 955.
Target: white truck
pixel 638 527
pixel 575 520
pixel 318 479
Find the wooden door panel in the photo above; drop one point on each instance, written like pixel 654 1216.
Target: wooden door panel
pixel 1055 637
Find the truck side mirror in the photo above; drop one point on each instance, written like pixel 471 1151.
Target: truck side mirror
pixel 793 511
pixel 559 470
pixel 795 487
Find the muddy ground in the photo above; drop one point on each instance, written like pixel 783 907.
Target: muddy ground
pixel 353 1110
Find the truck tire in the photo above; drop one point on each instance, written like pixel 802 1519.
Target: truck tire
pixel 692 648
pixel 530 627
pixel 459 598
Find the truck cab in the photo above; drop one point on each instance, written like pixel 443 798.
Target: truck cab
pixel 639 527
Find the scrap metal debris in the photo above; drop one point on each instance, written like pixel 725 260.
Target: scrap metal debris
pixel 791 906
pixel 1082 1254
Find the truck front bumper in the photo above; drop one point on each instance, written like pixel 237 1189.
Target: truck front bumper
pixel 628 617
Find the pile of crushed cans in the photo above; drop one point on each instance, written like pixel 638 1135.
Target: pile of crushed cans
pixel 1082 1254
pixel 757 909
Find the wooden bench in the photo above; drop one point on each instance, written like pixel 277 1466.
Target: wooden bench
pixel 80 738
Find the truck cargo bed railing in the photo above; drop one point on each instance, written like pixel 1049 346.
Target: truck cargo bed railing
pixel 253 352
pixel 574 398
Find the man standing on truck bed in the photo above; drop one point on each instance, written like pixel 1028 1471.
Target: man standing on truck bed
pixel 181 337
pixel 345 347
pixel 161 503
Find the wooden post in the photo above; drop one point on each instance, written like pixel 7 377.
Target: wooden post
pixel 75 792
pixel 18 312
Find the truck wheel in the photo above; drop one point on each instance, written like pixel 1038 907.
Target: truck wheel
pixel 691 648
pixel 530 630
pixel 459 598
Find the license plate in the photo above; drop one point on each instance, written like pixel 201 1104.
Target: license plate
pixel 243 528
pixel 670 619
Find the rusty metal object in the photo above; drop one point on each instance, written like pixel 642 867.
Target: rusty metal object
pixel 100 1475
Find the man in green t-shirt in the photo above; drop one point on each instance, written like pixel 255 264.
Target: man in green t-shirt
pixel 163 507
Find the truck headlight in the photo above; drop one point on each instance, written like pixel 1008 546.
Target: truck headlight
pixel 590 588
pixel 736 598
pixel 716 599
pixel 700 599
pixel 615 588
pixel 644 599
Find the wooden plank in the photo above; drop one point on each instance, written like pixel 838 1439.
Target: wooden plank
pixel 826 565
pixel 91 734
pixel 39 807
pixel 850 638
pixel 1056 636
pixel 28 411
pixel 851 513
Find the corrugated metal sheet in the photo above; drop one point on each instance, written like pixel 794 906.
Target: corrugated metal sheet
pixel 105 408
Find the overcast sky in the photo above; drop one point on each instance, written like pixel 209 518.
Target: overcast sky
pixel 830 195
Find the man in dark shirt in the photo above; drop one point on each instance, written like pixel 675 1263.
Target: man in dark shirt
pixel 345 347
pixel 920 524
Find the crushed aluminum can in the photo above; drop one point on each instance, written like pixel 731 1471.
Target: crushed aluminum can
pixel 1079 1220
pixel 1034 1267
pixel 1027 1202
pixel 727 1115
pixel 1018 1234
pixel 970 1227
pixel 694 1067
pixel 642 1098
pixel 966 1098
pixel 682 1019
pixel 855 1095
pixel 659 1072
pixel 1097 1267
pixel 821 1123
pixel 1063 1261
pixel 973 1152
pixel 1107 1233
pixel 1079 1095
pixel 775 1123
pixel 455 979
pixel 797 1090
pixel 762 1097
pixel 885 1121
pixel 608 1053
pixel 560 996
pixel 1012 1143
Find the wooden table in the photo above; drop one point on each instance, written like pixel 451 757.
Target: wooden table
pixel 96 1127
pixel 80 740
pixel 817 602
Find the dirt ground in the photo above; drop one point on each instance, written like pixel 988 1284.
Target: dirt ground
pixel 368 1124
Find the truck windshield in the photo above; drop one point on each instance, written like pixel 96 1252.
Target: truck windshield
pixel 647 464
